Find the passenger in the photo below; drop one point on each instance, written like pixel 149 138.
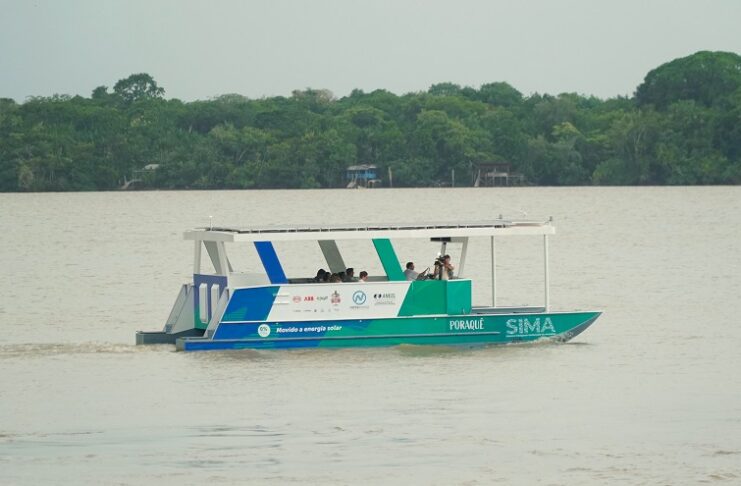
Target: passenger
pixel 335 278
pixel 343 276
pixel 437 273
pixel 409 273
pixel 326 277
pixel 448 268
pixel 363 276
pixel 320 275
pixel 350 275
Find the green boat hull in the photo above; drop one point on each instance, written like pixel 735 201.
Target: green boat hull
pixel 452 330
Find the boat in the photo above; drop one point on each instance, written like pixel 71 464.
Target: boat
pixel 230 309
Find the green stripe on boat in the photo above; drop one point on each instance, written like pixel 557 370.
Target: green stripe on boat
pixel 389 260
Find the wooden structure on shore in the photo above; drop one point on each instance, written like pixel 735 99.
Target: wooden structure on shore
pixel 362 176
pixel 141 177
pixel 490 174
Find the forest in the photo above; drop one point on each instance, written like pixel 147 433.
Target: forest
pixel 682 126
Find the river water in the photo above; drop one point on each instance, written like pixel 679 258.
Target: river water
pixel 650 394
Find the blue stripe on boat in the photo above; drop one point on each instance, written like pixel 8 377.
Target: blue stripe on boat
pixel 251 304
pixel 271 263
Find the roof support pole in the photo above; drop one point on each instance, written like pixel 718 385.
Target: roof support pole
pixel 333 256
pixel 462 263
pixel 213 253
pixel 546 275
pixel 270 261
pixel 493 274
pixel 389 260
pixel 223 260
pixel 217 253
pixel 197 257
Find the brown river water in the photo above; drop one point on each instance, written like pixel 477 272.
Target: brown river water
pixel 650 394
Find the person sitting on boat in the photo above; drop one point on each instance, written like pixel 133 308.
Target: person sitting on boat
pixel 350 274
pixel 409 273
pixel 335 278
pixel 363 276
pixel 447 268
pixel 320 275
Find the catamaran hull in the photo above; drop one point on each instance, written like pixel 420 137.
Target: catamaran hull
pixel 466 330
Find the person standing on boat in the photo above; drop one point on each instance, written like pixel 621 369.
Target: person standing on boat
pixel 363 276
pixel 447 268
pixel 409 273
pixel 437 273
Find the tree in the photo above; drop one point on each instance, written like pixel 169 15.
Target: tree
pixel 633 138
pixel 505 134
pixel 100 93
pixel 376 138
pixel 683 127
pixel 500 94
pixel 705 77
pixel 138 87
pixel 442 140
pixel 444 89
pixel 316 100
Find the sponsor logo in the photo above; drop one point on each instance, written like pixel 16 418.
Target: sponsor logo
pixel 524 327
pixel 466 324
pixel 296 299
pixel 385 298
pixel 309 298
pixel 336 297
pixel 321 298
pixel 263 330
pixel 359 297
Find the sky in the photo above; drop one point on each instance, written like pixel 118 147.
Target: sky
pixel 202 49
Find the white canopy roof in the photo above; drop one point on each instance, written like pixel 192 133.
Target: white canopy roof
pixel 498 227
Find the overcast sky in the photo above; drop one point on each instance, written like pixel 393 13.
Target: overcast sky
pixel 200 49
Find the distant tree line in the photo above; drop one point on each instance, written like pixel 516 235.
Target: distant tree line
pixel 682 126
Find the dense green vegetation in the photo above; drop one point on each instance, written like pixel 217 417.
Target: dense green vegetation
pixel 682 127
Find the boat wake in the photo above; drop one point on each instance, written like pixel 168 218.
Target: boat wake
pixel 8 351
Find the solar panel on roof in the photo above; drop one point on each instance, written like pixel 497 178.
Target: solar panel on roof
pixel 396 227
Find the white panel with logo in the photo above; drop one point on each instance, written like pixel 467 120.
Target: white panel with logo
pixel 308 302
